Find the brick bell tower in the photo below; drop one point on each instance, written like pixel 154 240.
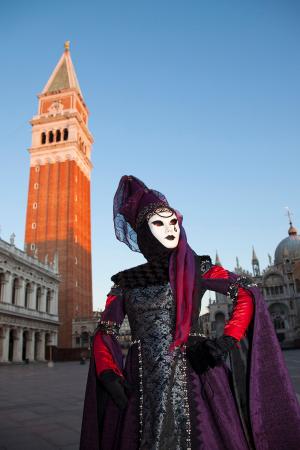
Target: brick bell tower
pixel 58 220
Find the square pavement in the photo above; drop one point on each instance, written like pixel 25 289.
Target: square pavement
pixel 41 407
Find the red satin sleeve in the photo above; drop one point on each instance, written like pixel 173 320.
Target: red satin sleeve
pixel 103 358
pixel 243 309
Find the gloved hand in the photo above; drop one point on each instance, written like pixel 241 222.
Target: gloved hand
pixel 116 386
pixel 218 348
pixel 206 352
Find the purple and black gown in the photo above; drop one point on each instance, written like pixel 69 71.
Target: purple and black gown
pixel 173 408
pixel 167 383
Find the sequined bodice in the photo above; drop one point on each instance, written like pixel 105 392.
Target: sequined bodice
pixel 151 312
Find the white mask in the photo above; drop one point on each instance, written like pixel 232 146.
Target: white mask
pixel 164 226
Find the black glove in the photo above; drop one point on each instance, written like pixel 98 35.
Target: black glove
pixel 218 348
pixel 116 386
pixel 206 352
pixel 198 355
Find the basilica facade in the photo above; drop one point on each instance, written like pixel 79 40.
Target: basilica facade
pixel 280 286
pixel 28 305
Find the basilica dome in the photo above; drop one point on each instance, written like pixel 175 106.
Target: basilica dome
pixel 288 248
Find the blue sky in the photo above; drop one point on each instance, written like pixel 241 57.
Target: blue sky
pixel 199 99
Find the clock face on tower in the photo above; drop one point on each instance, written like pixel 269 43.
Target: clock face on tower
pixel 56 108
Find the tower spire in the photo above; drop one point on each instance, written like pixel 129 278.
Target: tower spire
pixel 217 260
pixel 64 75
pixel 292 231
pixel 255 264
pixel 254 257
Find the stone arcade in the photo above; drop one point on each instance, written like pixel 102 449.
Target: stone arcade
pixel 28 305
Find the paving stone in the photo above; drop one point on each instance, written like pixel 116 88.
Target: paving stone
pixel 41 408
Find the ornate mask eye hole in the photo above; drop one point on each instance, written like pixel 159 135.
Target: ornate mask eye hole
pixel 173 221
pixel 157 223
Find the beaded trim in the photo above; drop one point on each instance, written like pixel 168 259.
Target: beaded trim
pixel 109 327
pixel 137 341
pixel 241 281
pixel 149 211
pixel 198 334
pixel 186 399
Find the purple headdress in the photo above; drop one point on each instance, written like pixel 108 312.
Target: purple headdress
pixel 133 203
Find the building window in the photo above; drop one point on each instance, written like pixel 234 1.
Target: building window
pixel 37 168
pixel 48 301
pixel 14 291
pixel 75 218
pixel 32 247
pixel 76 238
pixel 85 339
pixel 1 284
pixel 38 298
pixel 58 135
pixel 76 198
pixel 51 137
pixel 66 134
pixel 76 179
pixel 36 186
pixel 33 225
pixel 34 206
pixel 76 283
pixel 43 138
pixel 27 292
pixel 76 260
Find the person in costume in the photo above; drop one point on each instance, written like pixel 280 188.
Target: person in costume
pixel 176 391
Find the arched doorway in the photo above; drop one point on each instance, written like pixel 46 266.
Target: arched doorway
pixel 11 345
pixel 279 313
pixel 47 346
pixel 85 339
pixel 219 323
pixel 25 343
pixel 36 344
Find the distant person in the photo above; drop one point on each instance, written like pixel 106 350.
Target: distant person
pixel 176 391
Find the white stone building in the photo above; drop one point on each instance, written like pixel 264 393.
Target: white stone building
pixel 280 286
pixel 83 330
pixel 28 305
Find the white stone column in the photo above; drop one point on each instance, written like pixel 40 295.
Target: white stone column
pixel 54 302
pixel 18 345
pixel 20 300
pixel 7 288
pixel 43 299
pixel 4 343
pixel 32 295
pixel 40 356
pixel 30 345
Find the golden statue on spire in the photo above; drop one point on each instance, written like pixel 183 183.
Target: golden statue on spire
pixel 67 46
